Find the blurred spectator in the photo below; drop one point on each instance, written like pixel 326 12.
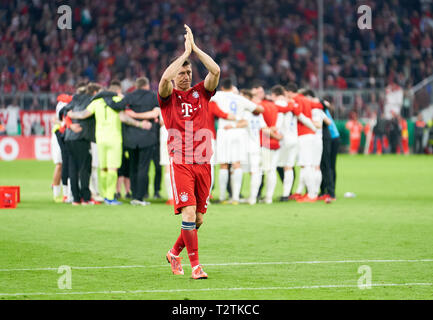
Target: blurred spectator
pixel 430 136
pixel 404 148
pixel 393 100
pixel 355 130
pixel 2 129
pixel 275 41
pixel 379 131
pixel 37 129
pixel 395 134
pixel 420 126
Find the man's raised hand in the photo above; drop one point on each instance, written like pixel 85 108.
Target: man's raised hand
pixel 189 36
pixel 188 43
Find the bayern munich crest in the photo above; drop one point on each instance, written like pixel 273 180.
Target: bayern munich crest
pixel 184 197
pixel 195 94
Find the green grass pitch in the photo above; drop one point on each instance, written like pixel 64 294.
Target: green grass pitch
pixel 279 251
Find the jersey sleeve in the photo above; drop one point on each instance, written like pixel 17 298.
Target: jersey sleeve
pixel 92 106
pixel 316 105
pixel 164 102
pixel 216 111
pixel 249 105
pixel 117 103
pixel 200 88
pixel 318 115
pixel 284 109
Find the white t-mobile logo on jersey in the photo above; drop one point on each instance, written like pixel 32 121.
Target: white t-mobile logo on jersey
pixel 186 109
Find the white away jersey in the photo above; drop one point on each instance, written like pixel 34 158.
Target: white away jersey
pixel 289 126
pixel 255 124
pixel 318 115
pixel 230 102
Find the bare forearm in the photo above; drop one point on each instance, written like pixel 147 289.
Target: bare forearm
pixel 242 124
pixel 147 115
pixel 307 122
pixel 128 120
pixel 208 62
pixel 272 133
pixel 79 115
pixel 165 87
pixel 213 77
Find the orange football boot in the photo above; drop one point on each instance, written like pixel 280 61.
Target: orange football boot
pixel 306 199
pixel 198 273
pixel 295 196
pixel 175 262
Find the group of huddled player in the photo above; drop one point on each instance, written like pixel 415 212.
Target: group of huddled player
pixel 251 132
pixel 259 133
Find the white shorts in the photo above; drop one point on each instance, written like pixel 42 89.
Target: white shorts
pixel 269 159
pixel 231 146
pixel 306 147
pixel 317 150
pixel 254 162
pixel 56 153
pixel 94 152
pixel 164 159
pixel 288 154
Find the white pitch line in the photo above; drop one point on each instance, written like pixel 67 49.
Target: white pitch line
pixel 231 264
pixel 332 286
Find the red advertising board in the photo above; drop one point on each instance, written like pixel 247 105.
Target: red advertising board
pixel 34 147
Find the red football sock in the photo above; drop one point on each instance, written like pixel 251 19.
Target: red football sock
pixel 191 241
pixel 178 246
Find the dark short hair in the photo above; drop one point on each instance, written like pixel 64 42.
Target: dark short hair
pixel 303 91
pixel 141 82
pixel 291 87
pixel 81 84
pixel 185 63
pixel 310 93
pixel 307 92
pixel 81 87
pixel 247 93
pixel 278 90
pixel 257 84
pixel 93 87
pixel 115 83
pixel 226 83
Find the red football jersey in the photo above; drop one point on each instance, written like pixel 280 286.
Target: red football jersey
pixel 186 117
pixel 288 108
pixel 270 115
pixel 316 104
pixel 303 106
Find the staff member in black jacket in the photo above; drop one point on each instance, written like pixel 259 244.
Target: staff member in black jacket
pixel 139 143
pixel 327 185
pixel 78 143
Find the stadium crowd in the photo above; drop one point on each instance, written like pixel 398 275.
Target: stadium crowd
pixel 275 43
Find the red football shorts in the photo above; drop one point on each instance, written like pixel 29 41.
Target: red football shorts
pixel 191 185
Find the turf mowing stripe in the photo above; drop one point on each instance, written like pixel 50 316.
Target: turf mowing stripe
pixel 332 286
pixel 229 264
